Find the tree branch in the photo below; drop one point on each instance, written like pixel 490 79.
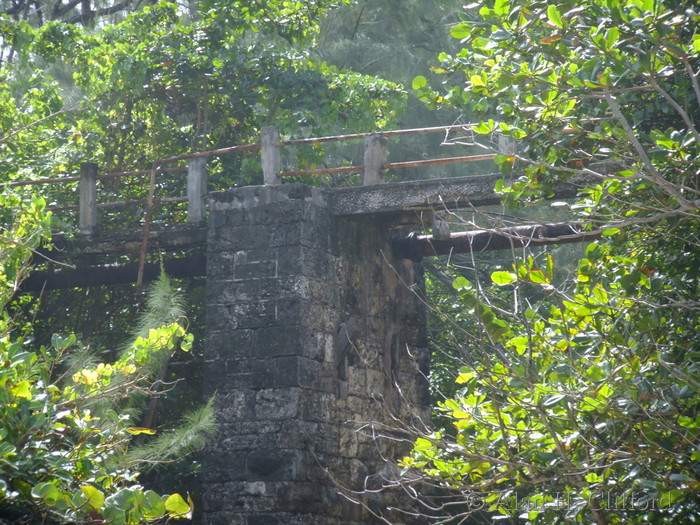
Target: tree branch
pixel 39 121
pixel 59 9
pixel 693 78
pixel 86 18
pixel 675 105
pixel 658 179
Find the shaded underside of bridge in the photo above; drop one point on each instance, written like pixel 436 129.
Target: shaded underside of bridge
pixel 316 338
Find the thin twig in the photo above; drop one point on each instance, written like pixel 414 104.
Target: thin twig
pixel 39 121
pixel 658 179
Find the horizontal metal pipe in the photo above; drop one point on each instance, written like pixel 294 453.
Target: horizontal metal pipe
pixel 392 165
pixel 116 204
pixel 63 180
pixel 318 171
pixel 140 172
pixel 156 200
pixel 432 162
pixel 248 147
pixel 52 180
pixel 209 153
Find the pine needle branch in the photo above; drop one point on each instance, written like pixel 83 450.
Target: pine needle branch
pixel 174 444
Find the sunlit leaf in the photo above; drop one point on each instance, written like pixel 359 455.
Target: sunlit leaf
pixel 94 497
pixel 177 507
pixel 554 16
pixel 503 278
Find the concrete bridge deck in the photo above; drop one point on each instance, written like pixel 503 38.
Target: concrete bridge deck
pixel 111 257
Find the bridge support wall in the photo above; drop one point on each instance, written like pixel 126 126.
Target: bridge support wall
pixel 315 347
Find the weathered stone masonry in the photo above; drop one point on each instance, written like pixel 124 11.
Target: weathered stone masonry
pixel 314 332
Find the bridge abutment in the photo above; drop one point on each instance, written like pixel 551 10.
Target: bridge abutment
pixel 315 347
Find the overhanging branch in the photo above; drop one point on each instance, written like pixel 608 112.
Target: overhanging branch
pixel 415 246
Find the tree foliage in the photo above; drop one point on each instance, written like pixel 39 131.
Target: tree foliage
pixel 397 40
pixel 581 405
pixel 86 13
pixel 166 81
pixel 66 420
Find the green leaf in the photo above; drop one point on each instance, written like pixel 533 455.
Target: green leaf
pixel 554 16
pixel 647 483
pixel 140 430
pixel 611 37
pixel 462 283
pixel 590 404
pixel 484 128
pixel 501 7
pixel 125 499
pixel 22 389
pixel 503 278
pixel 464 377
pixel 683 478
pixel 605 391
pixel 553 400
pixel 94 497
pixel 6 449
pixel 152 505
pixel 538 276
pixel 419 82
pixel 592 477
pixel 114 516
pixel 461 31
pixel 476 80
pixel 46 492
pixel 687 422
pixel 177 507
pixel 186 343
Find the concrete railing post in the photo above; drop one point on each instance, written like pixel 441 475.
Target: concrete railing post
pixel 88 198
pixel 196 189
pixel 375 158
pixel 271 160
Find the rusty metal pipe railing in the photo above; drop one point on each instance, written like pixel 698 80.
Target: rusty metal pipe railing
pixel 374 142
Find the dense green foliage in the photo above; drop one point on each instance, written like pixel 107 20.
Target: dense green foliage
pixel 121 85
pixel 578 400
pixel 164 82
pixel 67 420
pixel 398 40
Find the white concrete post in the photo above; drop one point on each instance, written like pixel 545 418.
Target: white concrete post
pixel 196 189
pixel 88 198
pixel 271 160
pixel 375 158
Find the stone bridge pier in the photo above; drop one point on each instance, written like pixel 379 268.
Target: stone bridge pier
pixel 316 351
